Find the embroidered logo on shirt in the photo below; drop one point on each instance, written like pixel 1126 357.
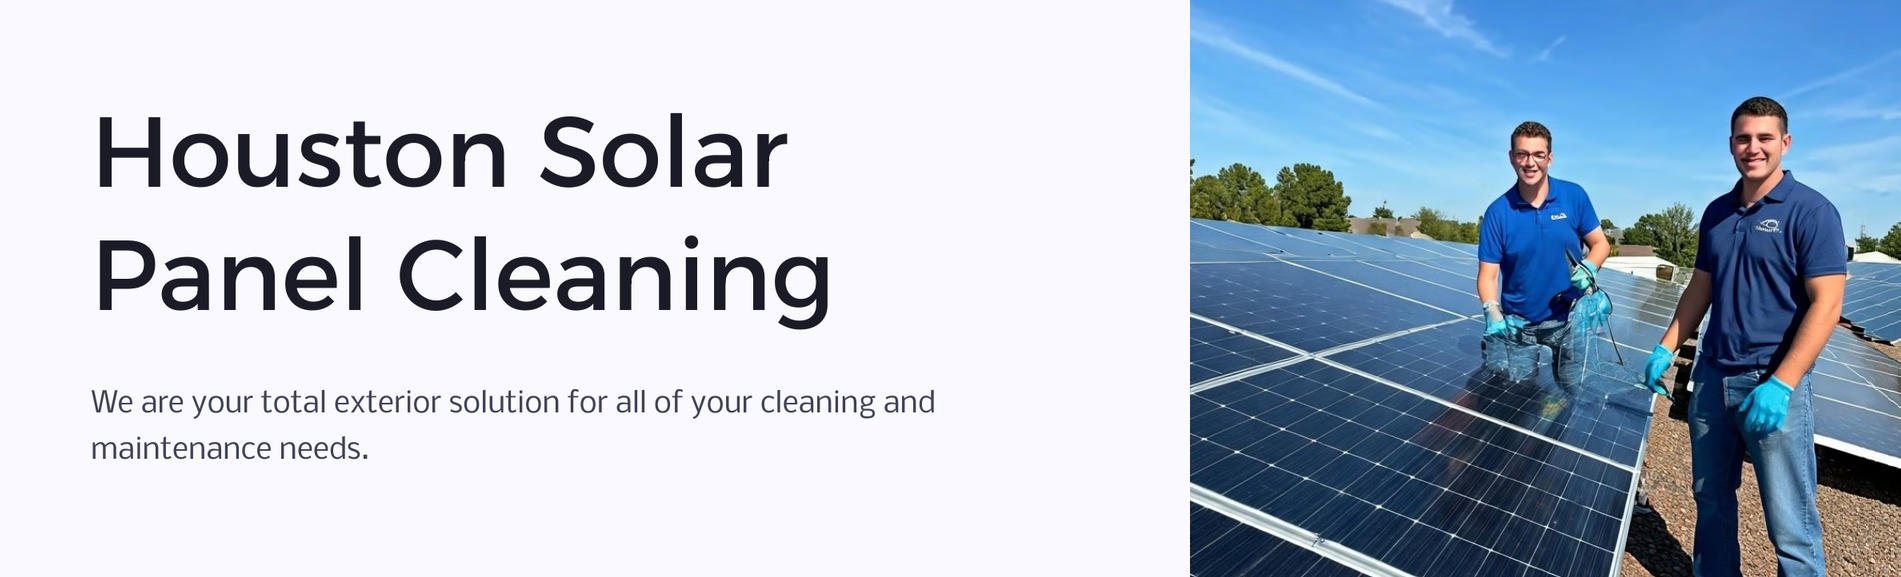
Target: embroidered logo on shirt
pixel 1559 216
pixel 1768 225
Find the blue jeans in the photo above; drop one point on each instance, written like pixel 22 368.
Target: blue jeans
pixel 1785 474
pixel 1567 366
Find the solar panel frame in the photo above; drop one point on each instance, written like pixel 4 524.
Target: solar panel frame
pixel 1215 351
pixel 1222 545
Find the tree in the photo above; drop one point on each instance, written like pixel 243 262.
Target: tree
pixel 1377 229
pixel 1311 198
pixel 1671 232
pixel 1866 243
pixel 1207 197
pixel 1436 225
pixel 1249 198
pixel 1382 211
pixel 1891 244
pixel 1431 223
pixel 1604 223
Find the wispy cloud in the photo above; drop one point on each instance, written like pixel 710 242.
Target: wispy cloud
pixel 1857 111
pixel 1881 148
pixel 1376 131
pixel 1856 167
pixel 1545 54
pixel 1231 46
pixel 1438 15
pixel 1844 75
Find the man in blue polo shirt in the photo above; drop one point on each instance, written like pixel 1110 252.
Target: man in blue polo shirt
pixel 1769 268
pixel 1531 236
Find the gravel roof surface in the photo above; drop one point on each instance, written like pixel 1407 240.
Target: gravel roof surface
pixel 1860 502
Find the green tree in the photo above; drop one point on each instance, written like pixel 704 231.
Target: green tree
pixel 1249 199
pixel 1891 244
pixel 1604 223
pixel 1431 223
pixel 1440 227
pixel 1671 232
pixel 1207 197
pixel 1311 198
pixel 1377 229
pixel 1866 243
pixel 1382 211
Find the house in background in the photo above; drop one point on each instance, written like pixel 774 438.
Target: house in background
pixel 1874 256
pixel 1408 227
pixel 1643 261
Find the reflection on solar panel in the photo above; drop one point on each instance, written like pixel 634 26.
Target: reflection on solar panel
pixel 1873 299
pixel 1858 400
pixel 1341 420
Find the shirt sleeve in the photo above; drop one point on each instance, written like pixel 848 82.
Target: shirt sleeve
pixel 1820 247
pixel 1587 214
pixel 1705 260
pixel 1491 239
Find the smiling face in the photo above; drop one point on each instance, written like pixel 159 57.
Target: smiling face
pixel 1531 157
pixel 1757 143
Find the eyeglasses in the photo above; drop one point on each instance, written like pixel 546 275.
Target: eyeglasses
pixel 1540 156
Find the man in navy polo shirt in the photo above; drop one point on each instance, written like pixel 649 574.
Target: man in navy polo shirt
pixel 1531 235
pixel 1770 264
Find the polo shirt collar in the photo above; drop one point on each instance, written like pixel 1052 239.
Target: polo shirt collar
pixel 1778 194
pixel 1551 195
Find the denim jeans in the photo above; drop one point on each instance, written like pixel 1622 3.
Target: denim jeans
pixel 1785 474
pixel 1567 361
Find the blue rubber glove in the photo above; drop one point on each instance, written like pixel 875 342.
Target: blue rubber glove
pixel 1496 328
pixel 1591 313
pixel 1660 359
pixel 1582 275
pixel 1765 407
pixel 1494 319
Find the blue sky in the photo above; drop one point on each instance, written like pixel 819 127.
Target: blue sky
pixel 1412 102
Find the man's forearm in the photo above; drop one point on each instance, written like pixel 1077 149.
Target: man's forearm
pixel 1690 310
pixel 1600 251
pixel 1488 286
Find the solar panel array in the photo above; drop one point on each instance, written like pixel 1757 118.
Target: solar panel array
pixel 1873 299
pixel 1340 420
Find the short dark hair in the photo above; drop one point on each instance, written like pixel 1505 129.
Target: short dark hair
pixel 1760 106
pixel 1531 129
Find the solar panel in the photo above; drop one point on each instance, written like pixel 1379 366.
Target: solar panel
pixel 1607 415
pixel 1206 244
pixel 1220 545
pixel 1405 479
pixel 1265 237
pixel 1214 351
pixel 1301 307
pixel 1341 244
pixel 1872 301
pixel 1432 273
pixel 1858 400
pixel 1341 422
pixel 1367 274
